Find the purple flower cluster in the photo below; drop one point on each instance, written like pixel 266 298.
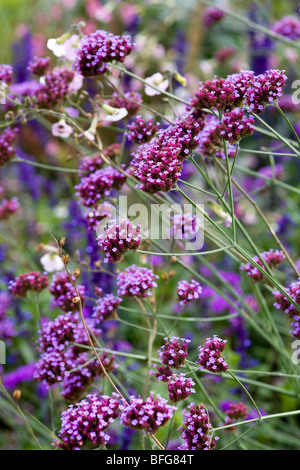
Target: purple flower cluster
pixel 266 88
pixel 117 238
pixel 7 325
pixel 174 352
pixel 236 411
pixel 39 65
pixel 7 150
pixel 136 281
pixel 284 304
pixel 147 415
pixel 54 88
pixel 288 26
pixel 180 387
pixel 106 308
pixel 6 73
pixel 188 291
pixel 52 367
pixel 130 100
pixel 99 48
pixel 8 207
pixel 195 430
pixel 225 94
pixel 158 163
pixel 210 142
pixel 93 187
pixel 271 258
pixel 96 214
pixel 86 422
pixel 210 355
pixel 63 292
pixel 34 281
pixel 235 125
pixel 56 335
pixel 212 16
pixel 141 131
pixel 183 226
pixel 90 165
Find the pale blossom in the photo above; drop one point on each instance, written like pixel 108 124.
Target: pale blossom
pixel 157 80
pixel 61 129
pixel 52 262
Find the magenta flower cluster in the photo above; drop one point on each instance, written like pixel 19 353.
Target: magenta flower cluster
pixel 97 49
pixel 92 188
pixel 63 292
pixel 96 214
pixel 7 149
pixel 86 422
pixel 54 88
pixel 33 281
pixel 130 100
pixel 39 65
pixel 271 258
pixel 288 26
pixel 210 355
pixel 284 304
pixel 147 415
pixel 136 281
pixel 56 335
pixel 195 430
pixel 89 165
pixel 8 207
pixel 158 164
pixel 188 291
pixel 236 125
pixel 141 131
pixel 52 367
pixel 106 308
pixel 212 16
pixel 174 352
pixel 6 73
pixel 117 238
pixel 180 387
pixel 266 88
pixel 236 411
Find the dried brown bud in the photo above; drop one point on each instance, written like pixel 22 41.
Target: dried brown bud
pixel 152 300
pixel 172 272
pixel 77 273
pixel 62 241
pixel 76 300
pixel 65 259
pixel 165 276
pixel 17 395
pixel 173 259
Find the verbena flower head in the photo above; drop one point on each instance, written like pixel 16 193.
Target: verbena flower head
pixel 236 411
pixel 284 304
pixel 184 226
pixel 7 140
pixel 266 88
pixel 288 26
pixel 217 93
pixel 63 292
pixel 212 16
pixel 39 65
pixel 195 430
pixel 57 334
pixel 141 131
pixel 180 387
pixel 85 423
pixel 99 48
pixel 272 259
pixel 236 125
pixel 188 291
pixel 106 307
pixel 117 238
pixel 96 214
pixel 92 188
pixel 136 281
pixel 8 207
pixel 34 281
pixel 6 73
pixel 210 141
pixel 51 368
pixel 54 87
pixel 147 415
pixel 161 372
pixel 210 355
pixel 90 165
pixel 174 352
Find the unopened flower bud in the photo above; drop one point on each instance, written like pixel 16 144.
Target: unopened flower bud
pixel 17 395
pixel 77 273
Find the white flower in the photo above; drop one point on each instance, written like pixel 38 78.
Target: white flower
pixel 117 115
pixel 52 262
pixel 157 80
pixel 62 129
pixel 76 84
pixel 89 135
pixel 58 50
